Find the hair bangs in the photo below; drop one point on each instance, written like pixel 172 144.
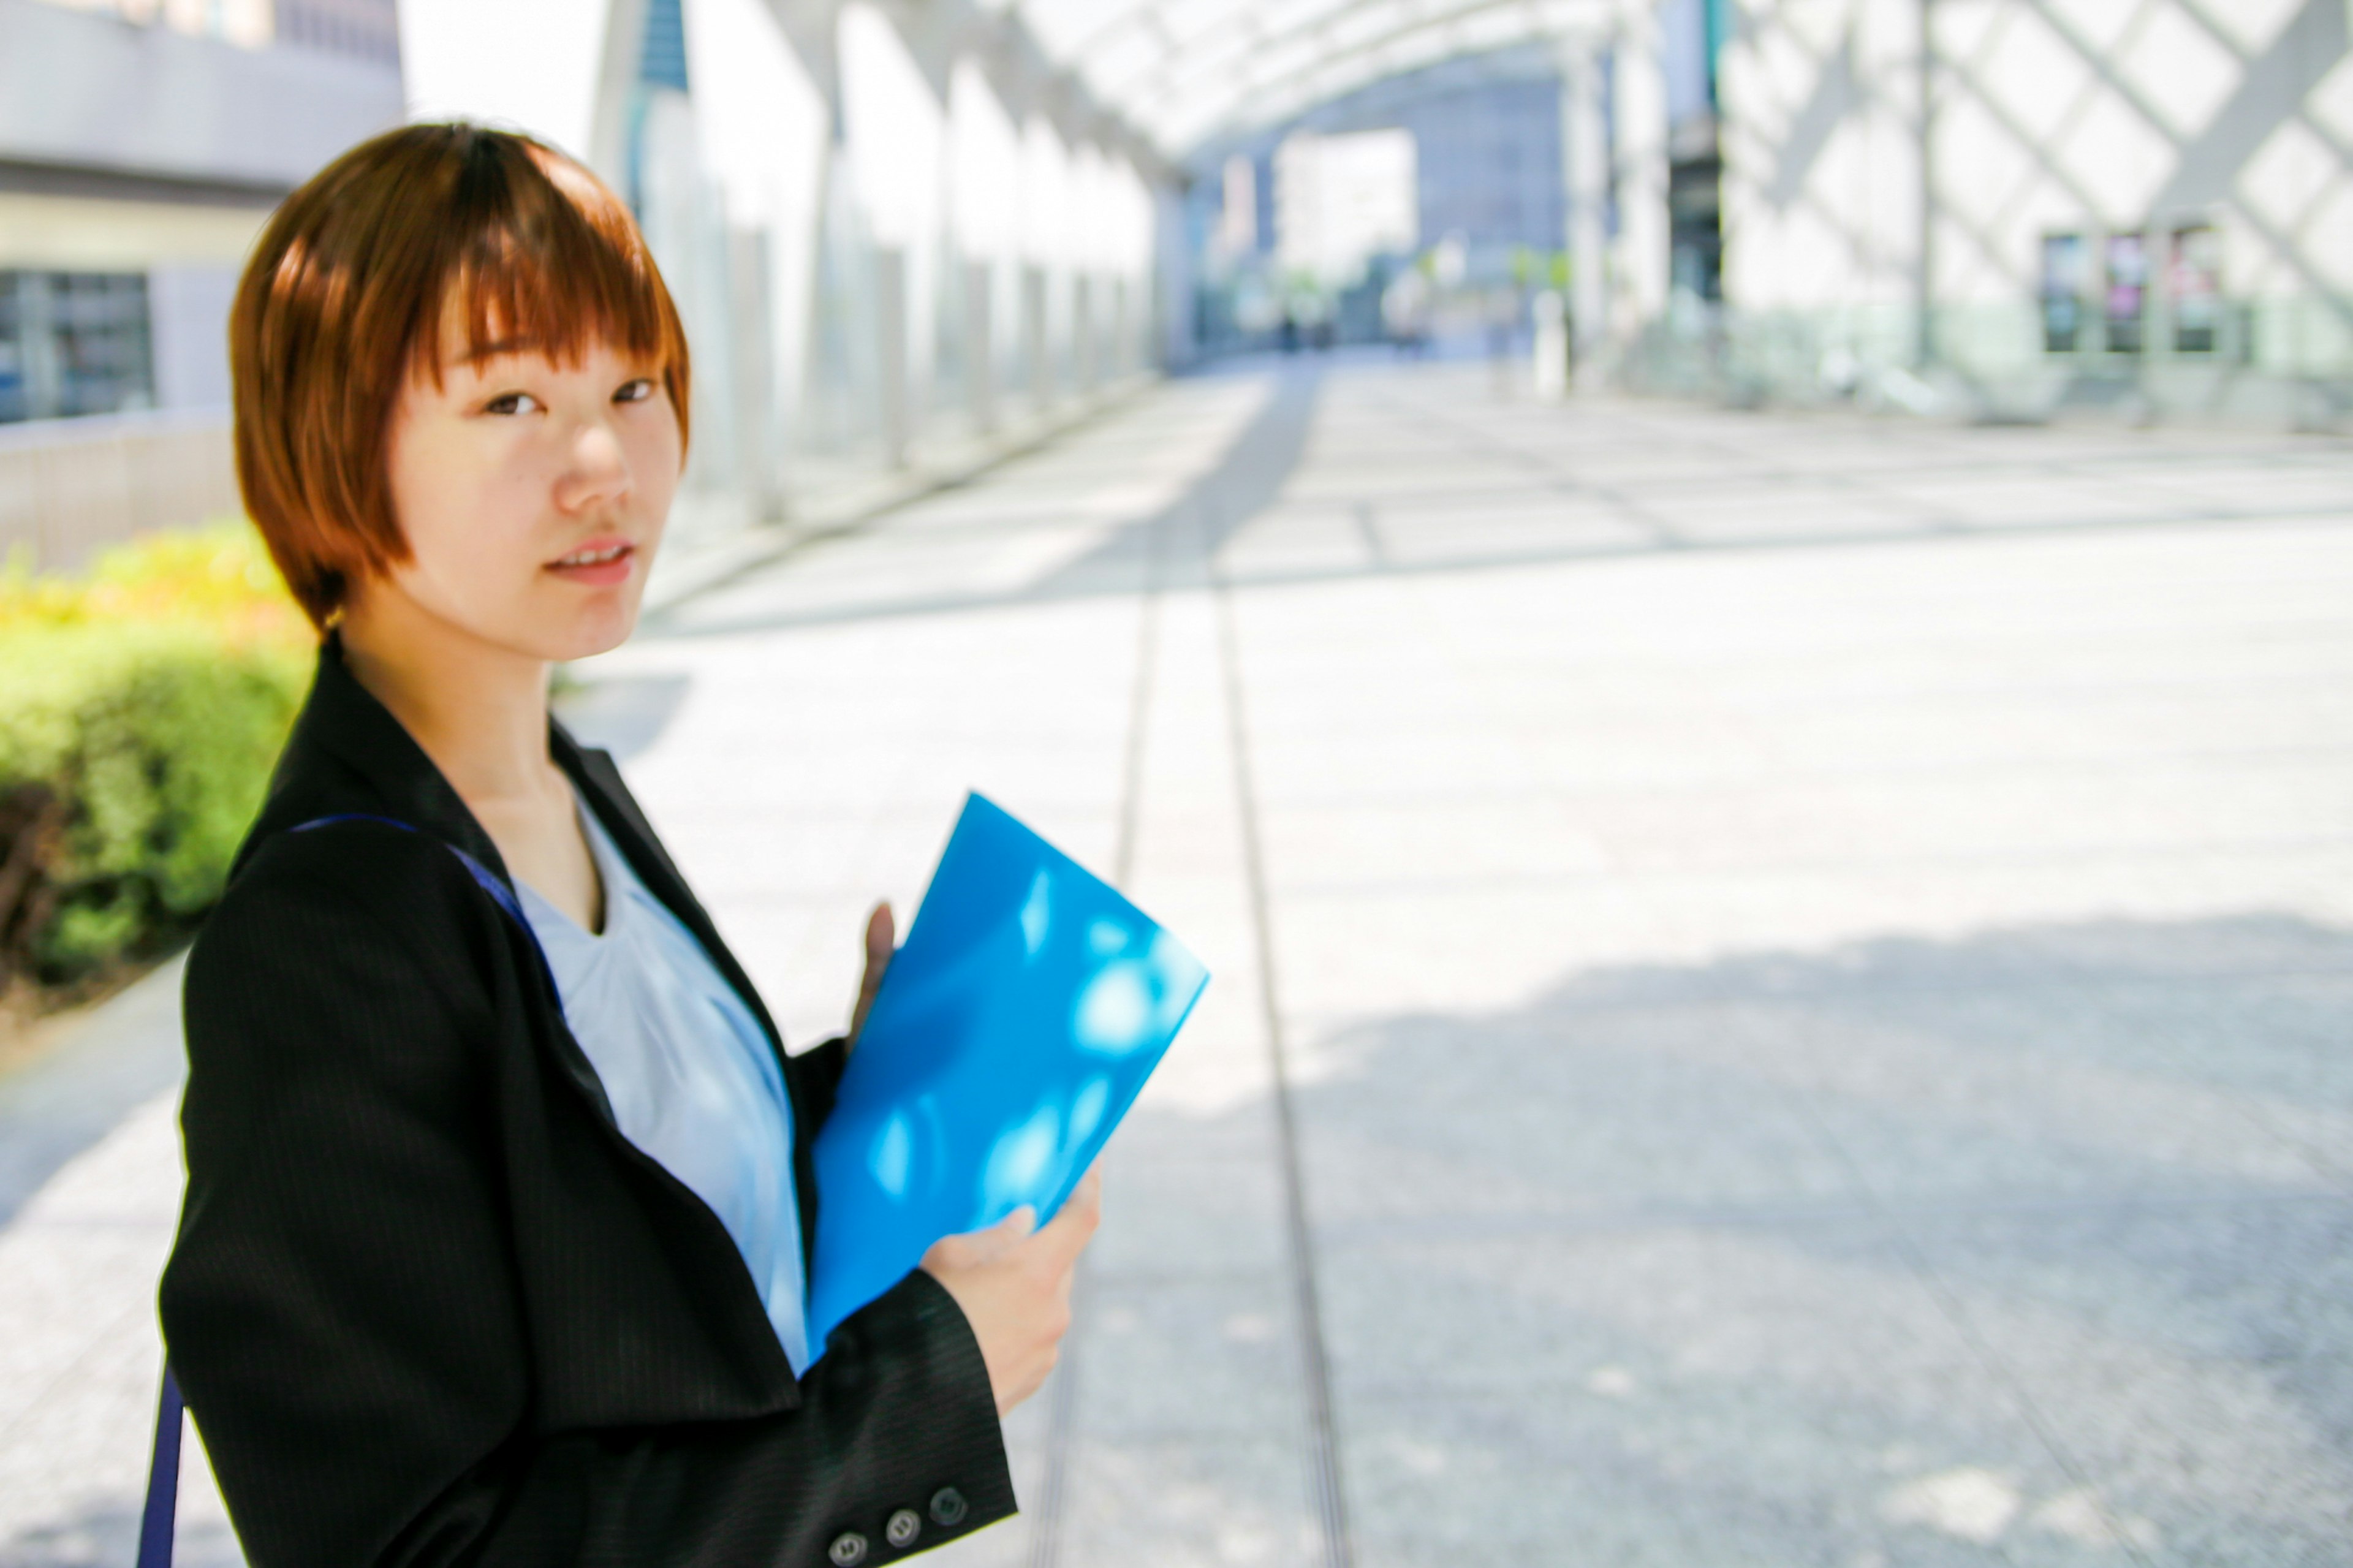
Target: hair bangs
pixel 546 259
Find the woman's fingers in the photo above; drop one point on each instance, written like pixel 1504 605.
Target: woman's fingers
pixel 882 942
pixel 1013 1282
pixel 974 1248
pixel 1073 1227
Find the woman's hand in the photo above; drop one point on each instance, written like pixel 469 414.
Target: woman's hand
pixel 1015 1288
pixel 882 942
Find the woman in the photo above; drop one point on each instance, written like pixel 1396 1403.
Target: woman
pixel 499 1193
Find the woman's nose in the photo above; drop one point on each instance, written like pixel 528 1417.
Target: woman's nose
pixel 598 470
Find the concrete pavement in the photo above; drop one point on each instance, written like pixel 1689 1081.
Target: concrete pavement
pixel 1782 984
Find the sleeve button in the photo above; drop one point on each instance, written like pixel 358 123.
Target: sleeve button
pixel 947 1506
pixel 848 1551
pixel 902 1527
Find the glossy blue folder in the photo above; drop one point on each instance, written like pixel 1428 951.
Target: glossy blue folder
pixel 1012 1032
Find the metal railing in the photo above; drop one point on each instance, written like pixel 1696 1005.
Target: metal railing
pixel 70 487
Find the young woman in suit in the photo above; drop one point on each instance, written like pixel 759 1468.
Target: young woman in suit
pixel 500 1198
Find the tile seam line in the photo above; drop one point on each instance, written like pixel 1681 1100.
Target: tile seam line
pixel 1061 1420
pixel 1324 1457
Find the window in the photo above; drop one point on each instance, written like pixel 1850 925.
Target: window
pixel 2127 299
pixel 14 397
pixel 2063 292
pixel 100 322
pixel 2196 286
pixel 73 343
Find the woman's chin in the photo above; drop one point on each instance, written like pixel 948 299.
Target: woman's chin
pixel 594 628
pixel 587 642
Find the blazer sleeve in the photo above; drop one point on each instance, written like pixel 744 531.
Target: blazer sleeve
pixel 342 1304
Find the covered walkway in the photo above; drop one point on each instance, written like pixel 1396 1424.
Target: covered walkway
pixel 1781 993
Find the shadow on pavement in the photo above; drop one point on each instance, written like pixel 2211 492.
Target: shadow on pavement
pixel 2035 1247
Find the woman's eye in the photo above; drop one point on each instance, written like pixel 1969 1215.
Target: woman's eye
pixel 511 403
pixel 636 391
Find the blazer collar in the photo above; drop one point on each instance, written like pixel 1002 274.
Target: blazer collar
pixel 344 719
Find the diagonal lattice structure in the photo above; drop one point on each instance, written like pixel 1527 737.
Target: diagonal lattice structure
pixel 2044 117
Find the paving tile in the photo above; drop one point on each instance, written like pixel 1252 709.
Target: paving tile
pixel 1198 1356
pixel 2253 1280
pixel 1679 1476
pixel 1823 1055
pixel 1185 1503
pixel 1575 1114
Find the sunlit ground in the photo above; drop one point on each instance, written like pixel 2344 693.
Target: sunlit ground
pixel 1811 957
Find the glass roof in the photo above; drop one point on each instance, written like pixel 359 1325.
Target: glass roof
pixel 1185 73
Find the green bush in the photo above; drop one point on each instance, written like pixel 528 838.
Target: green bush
pixel 140 710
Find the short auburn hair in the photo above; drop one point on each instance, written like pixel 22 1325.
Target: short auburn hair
pixel 344 300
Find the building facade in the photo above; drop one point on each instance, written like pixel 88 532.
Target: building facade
pixel 141 143
pixel 2029 205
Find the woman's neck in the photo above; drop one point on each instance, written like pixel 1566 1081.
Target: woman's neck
pixel 478 710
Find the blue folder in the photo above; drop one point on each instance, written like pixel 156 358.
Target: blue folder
pixel 1011 1033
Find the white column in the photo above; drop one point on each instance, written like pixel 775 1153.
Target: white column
pixel 896 122
pixel 1084 311
pixel 1584 158
pixel 1173 284
pixel 1046 252
pixel 1037 342
pixel 983 174
pixel 980 344
pixel 1123 329
pixel 1641 259
pixel 1550 369
pixel 890 359
pixel 763 110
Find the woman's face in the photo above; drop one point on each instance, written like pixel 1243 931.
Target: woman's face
pixel 533 495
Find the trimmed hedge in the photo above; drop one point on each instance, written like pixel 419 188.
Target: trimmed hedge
pixel 142 707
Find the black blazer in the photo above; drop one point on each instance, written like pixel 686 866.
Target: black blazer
pixel 428 1306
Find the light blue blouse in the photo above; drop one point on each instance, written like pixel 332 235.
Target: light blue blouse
pixel 689 1073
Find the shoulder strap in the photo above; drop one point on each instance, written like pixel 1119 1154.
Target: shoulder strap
pixel 498 891
pixel 156 1521
pixel 163 1480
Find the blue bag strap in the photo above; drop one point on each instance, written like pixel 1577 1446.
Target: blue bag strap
pixel 163 1480
pixel 498 891
pixel 156 1520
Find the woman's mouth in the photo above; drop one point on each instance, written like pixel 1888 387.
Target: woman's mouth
pixel 597 563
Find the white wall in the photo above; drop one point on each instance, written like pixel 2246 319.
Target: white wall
pixel 2049 116
pixel 84 91
pixel 187 327
pixel 1821 164
pixel 553 68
